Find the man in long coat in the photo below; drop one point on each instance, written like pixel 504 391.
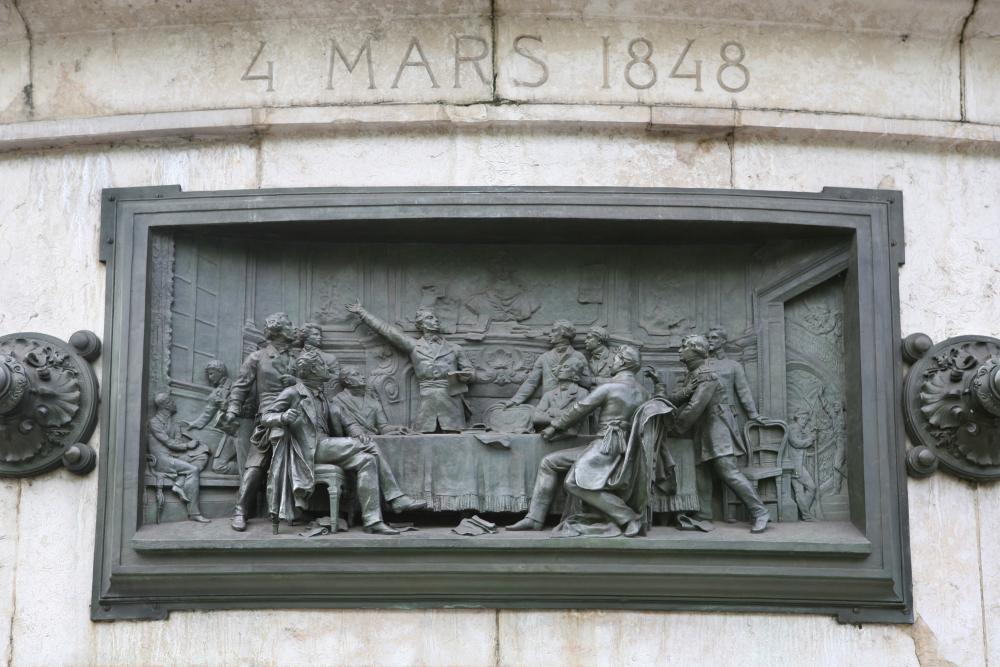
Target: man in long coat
pixel 704 409
pixel 615 473
pixel 267 371
pixel 440 367
pixel 304 429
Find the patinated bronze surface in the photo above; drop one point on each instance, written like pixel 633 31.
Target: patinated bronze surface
pixel 952 406
pixel 48 403
pixel 652 399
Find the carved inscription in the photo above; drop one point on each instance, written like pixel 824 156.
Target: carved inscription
pixel 417 66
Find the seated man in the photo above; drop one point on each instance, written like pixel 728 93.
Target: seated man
pixel 610 474
pixel 363 407
pixel 567 392
pixel 174 455
pixel 305 429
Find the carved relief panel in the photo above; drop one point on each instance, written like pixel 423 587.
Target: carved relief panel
pixel 478 364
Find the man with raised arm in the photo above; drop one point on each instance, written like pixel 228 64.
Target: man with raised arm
pixel 440 367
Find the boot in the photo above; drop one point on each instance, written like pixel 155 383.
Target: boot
pixel 760 523
pixel 248 487
pixel 381 528
pixel 633 528
pixel 406 504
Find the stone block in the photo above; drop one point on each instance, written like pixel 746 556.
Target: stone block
pixel 10 492
pixel 15 51
pixel 989 553
pixel 264 64
pixel 497 156
pixel 982 79
pixel 659 638
pixel 896 17
pixel 657 61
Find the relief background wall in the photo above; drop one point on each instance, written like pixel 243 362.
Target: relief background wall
pixel 51 281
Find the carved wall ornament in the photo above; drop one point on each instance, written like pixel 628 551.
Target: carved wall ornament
pixel 48 403
pixel 951 404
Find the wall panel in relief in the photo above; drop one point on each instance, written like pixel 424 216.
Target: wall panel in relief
pixel 461 296
pixel 814 340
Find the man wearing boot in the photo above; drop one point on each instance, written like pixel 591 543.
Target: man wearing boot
pixel 175 456
pixel 607 474
pixel 305 429
pixel 268 370
pixel 703 407
pixel 730 373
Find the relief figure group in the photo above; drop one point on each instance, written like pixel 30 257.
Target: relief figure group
pixel 613 417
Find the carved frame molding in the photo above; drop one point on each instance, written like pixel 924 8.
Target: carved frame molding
pixel 861 580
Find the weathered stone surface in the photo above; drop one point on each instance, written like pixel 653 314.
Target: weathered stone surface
pixel 982 53
pixel 637 638
pixel 9 499
pixel 951 276
pixel 946 577
pixel 799 56
pixel 14 66
pixel 496 157
pixel 566 60
pixel 57 17
pixel 943 17
pixel 209 66
pixel 989 546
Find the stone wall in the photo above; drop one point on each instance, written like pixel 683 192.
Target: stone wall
pixel 905 95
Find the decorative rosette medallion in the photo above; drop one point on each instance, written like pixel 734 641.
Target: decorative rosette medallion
pixel 48 403
pixel 951 404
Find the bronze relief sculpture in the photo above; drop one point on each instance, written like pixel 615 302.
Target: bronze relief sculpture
pixel 489 381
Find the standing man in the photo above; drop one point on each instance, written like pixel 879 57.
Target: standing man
pixel 227 457
pixel 312 339
pixel 544 370
pixel 441 368
pixel 610 474
pixel 596 342
pixel 731 373
pixel 704 409
pixel 268 371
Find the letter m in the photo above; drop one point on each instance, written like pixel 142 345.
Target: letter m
pixel 366 50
